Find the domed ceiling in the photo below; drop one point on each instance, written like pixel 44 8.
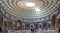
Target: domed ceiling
pixel 36 11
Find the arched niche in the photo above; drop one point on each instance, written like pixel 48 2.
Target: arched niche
pixel 40 25
pixel 32 26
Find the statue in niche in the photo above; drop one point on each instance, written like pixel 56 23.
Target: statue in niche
pixel 20 22
pixel 49 26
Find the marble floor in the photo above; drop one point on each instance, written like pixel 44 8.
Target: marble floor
pixel 28 31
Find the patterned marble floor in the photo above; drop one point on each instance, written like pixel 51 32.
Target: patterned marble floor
pixel 28 31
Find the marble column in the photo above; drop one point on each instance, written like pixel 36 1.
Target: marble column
pixel 53 21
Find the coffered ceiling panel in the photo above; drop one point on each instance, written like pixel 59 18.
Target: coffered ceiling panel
pixel 41 9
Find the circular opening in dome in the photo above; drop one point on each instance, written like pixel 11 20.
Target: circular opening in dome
pixel 30 4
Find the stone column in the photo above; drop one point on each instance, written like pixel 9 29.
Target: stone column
pixel 58 25
pixel 53 21
pixel 1 21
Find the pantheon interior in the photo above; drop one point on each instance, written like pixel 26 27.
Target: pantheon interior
pixel 29 16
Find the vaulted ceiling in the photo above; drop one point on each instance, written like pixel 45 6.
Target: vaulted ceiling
pixel 42 10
